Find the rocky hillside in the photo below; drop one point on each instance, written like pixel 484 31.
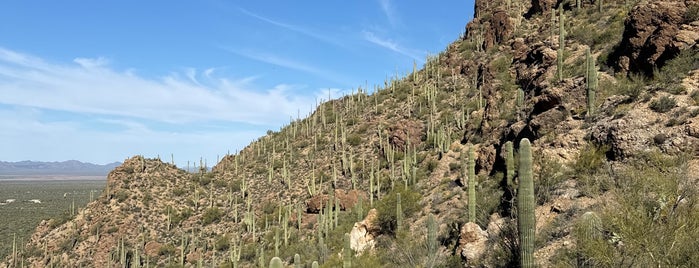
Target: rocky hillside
pixel 419 172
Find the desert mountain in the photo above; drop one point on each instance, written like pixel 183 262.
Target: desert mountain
pixel 70 167
pixel 552 134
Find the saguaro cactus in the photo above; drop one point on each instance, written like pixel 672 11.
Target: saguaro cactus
pixel 347 253
pixel 276 262
pixel 590 225
pixel 471 185
pixel 431 238
pixel 297 261
pixel 561 43
pixel 591 81
pixel 526 220
pixel 510 164
pixel 399 212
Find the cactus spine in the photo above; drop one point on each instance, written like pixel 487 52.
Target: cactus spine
pixel 471 185
pixel 526 221
pixel 561 43
pixel 276 262
pixel 347 253
pixel 591 82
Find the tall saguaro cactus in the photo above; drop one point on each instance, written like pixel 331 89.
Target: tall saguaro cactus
pixel 561 43
pixel 526 220
pixel 510 165
pixel 399 212
pixel 471 185
pixel 591 81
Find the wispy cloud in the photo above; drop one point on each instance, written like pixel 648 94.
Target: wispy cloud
pixel 393 46
pixel 294 28
pixel 291 64
pixel 389 10
pixel 92 86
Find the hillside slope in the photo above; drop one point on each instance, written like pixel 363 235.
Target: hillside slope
pixel 615 166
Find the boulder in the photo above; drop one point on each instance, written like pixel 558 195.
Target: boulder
pixel 472 242
pixel 363 233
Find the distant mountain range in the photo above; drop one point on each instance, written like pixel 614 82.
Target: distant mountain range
pixel 70 167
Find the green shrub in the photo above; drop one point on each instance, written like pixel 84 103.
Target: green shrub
pixel 651 218
pixel 386 208
pixel 663 104
pixel 166 250
pixel 354 139
pixel 695 96
pixel 222 243
pixel 211 215
pixel 121 196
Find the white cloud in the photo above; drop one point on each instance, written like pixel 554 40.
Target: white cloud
pixel 26 137
pixel 90 86
pixel 389 10
pixel 91 63
pixel 393 46
pixel 291 64
pixel 294 28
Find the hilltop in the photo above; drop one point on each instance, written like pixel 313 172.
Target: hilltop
pixel 418 172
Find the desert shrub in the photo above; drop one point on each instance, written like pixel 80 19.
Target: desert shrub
pixel 211 215
pixel 692 13
pixel 651 219
pixel 354 139
pixel 121 196
pixel 663 104
pixel 166 250
pixel 59 220
pixel 588 169
pixel 386 208
pixel 222 242
pixel 695 96
pixel 269 207
pixel 548 178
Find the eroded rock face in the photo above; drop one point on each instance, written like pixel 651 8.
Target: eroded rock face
pixel 346 199
pixel 405 132
pixel 495 30
pixel 542 6
pixel 472 242
pixel 654 33
pixel 363 233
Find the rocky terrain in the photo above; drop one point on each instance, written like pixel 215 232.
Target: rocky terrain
pixel 607 93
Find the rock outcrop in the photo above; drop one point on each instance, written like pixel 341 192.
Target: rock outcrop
pixel 472 242
pixel 654 33
pixel 363 233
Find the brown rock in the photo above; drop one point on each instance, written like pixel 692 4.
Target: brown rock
pixel 653 35
pixel 346 199
pixel 404 132
pixel 152 248
pixel 472 242
pixel 363 233
pixel 542 6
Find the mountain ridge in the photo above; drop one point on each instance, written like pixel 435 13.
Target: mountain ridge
pixel 68 167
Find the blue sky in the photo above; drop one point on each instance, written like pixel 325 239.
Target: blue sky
pixel 100 81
